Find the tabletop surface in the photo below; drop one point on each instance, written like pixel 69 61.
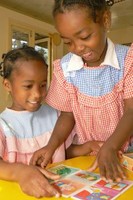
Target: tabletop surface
pixel 12 191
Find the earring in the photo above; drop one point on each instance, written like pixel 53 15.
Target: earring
pixel 8 98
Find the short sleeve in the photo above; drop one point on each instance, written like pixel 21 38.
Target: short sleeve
pixel 128 74
pixel 2 142
pixel 58 96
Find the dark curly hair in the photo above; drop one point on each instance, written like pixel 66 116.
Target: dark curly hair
pixel 96 6
pixel 24 53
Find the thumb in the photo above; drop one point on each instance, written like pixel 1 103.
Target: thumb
pixel 49 174
pixel 93 166
pixel 34 159
pixel 45 162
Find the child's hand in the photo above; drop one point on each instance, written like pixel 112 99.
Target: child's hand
pixel 88 148
pixel 94 146
pixel 109 165
pixel 42 157
pixel 34 181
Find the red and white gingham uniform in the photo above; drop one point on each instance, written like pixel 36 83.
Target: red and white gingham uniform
pixel 96 117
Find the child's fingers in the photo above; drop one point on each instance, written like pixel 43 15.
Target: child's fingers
pixel 52 191
pixel 48 189
pixel 111 171
pixel 118 173
pixel 39 161
pixel 49 174
pixel 42 161
pixel 45 162
pixel 36 158
pixel 33 160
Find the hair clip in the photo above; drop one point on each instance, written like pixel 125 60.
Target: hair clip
pixel 110 2
pixel 1 69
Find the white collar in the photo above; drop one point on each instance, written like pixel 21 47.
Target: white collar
pixel 110 59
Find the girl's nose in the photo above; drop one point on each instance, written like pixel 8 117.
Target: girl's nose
pixel 37 93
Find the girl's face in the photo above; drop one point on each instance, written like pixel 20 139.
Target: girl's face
pixel 27 85
pixel 82 35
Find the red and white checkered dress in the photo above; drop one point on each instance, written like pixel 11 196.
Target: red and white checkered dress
pixel 95 95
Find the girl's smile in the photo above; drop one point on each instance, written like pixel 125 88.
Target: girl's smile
pixel 34 104
pixel 87 56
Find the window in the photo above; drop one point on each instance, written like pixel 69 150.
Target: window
pixel 19 38
pixel 22 36
pixel 42 44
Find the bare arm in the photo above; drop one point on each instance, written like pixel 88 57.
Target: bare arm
pixel 107 158
pixel 83 149
pixel 9 171
pixel 31 180
pixel 63 128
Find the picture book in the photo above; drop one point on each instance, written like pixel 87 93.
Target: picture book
pixel 81 184
pixel 127 161
pixel 63 170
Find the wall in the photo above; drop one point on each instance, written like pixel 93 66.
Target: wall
pixel 7 18
pixel 122 36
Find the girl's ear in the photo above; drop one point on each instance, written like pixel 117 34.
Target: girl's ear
pixel 107 20
pixel 7 85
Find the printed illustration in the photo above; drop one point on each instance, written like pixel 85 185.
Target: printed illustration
pixel 63 170
pixel 81 184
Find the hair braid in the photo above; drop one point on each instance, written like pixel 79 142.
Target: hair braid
pixel 95 6
pixel 24 53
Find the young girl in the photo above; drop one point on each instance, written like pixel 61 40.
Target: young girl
pixel 27 125
pixel 92 86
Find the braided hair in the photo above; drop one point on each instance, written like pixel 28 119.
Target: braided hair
pixel 96 6
pixel 24 53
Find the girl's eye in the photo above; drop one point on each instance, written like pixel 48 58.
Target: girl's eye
pixel 27 86
pixel 43 85
pixel 67 42
pixel 86 38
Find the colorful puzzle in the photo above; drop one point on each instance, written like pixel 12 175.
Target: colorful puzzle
pixel 127 161
pixel 81 184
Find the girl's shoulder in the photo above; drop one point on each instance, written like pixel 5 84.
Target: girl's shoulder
pixel 45 109
pixel 121 48
pixel 124 49
pixel 48 114
pixel 62 64
pixel 122 52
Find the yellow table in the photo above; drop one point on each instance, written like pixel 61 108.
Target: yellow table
pixel 12 191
